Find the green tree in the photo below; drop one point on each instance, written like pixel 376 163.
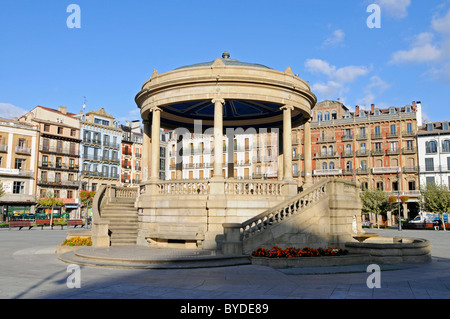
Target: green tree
pixel 375 201
pixel 50 201
pixel 436 199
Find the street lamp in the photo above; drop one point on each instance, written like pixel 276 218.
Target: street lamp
pixel 398 198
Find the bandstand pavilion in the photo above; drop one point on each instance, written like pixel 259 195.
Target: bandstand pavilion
pixel 233 215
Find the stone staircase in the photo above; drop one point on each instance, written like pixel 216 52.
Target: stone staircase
pixel 123 219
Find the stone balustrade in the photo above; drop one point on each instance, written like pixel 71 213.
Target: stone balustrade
pixel 252 187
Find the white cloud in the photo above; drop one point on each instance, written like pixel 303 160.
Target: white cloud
pixel 441 24
pixel 372 90
pixel 334 39
pixel 337 78
pixel 9 111
pixel 395 8
pixel 422 50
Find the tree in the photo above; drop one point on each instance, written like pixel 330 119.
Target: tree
pixel 375 201
pixel 436 199
pixel 50 201
pixel 87 197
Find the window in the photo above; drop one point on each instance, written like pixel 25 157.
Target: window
pixel 60 130
pixel 364 165
pixel 46 128
pixel 324 150
pixel 393 146
pixel 445 126
pixel 44 176
pixel 349 166
pixel 362 132
pixel 45 144
pixel 410 145
pixel 326 116
pixel 319 117
pixel 393 129
pixel 412 185
pixel 72 133
pixel 448 164
pixel 332 165
pixel 431 147
pixel 19 163
pixel 363 148
pixel 409 128
pixel 429 164
pixel 430 180
pixel 395 186
pixel 378 147
pixel 69 194
pixel 380 186
pixel 57 193
pixel 58 162
pixel 18 188
pixel 377 131
pixel 334 115
pixel 57 177
pixel 430 127
pixel 446 146
pixel 324 166
pixel 102 122
pixel 44 160
pixel 70 177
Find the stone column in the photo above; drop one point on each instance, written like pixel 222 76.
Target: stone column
pixel 218 134
pixel 287 142
pixel 156 126
pixel 146 150
pixel 307 155
pixel 179 158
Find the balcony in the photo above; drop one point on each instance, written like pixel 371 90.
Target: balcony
pixel 327 172
pixel 326 140
pixel 386 170
pixel 393 152
pixel 347 137
pixel 16 172
pixel 409 134
pixel 362 153
pixel 327 155
pixel 3 148
pixel 59 184
pixel 377 136
pixel 392 135
pixel 58 166
pixel 410 150
pixel 23 150
pixel 414 169
pixel 347 154
pixel 362 137
pixel 378 153
pixel 362 171
pixel 60 150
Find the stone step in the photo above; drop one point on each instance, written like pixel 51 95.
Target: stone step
pixel 140 260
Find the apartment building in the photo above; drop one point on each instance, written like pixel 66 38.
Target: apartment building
pixel 376 148
pixel 131 155
pixel 100 149
pixel 18 164
pixel 197 157
pixel 58 154
pixel 433 141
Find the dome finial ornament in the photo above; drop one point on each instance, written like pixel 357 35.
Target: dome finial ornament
pixel 225 55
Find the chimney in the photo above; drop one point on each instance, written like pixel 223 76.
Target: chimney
pixel 357 110
pixel 372 108
pixel 62 109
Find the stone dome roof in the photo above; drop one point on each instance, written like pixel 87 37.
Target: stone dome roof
pixel 227 61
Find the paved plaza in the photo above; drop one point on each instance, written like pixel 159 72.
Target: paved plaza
pixel 30 270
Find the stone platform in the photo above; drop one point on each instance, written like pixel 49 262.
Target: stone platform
pixel 136 257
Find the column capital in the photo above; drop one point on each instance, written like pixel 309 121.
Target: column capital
pixel 214 101
pixel 287 107
pixel 155 108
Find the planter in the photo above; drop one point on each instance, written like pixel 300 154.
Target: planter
pixel 300 262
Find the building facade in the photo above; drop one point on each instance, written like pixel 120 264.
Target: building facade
pixel 434 153
pixel 376 148
pixel 100 149
pixel 18 165
pixel 58 155
pixel 131 155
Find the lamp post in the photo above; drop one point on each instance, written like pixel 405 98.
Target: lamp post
pixel 399 201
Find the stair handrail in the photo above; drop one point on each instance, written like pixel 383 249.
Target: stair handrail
pixel 272 215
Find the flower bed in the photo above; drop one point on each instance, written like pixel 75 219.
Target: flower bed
pixel 290 252
pixel 77 241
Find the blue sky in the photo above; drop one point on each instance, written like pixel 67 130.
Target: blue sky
pixel 328 43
